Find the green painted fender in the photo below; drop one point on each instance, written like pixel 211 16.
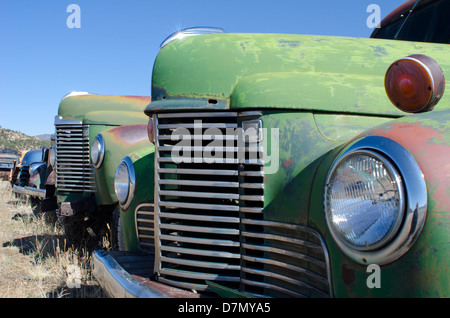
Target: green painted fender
pixel 119 142
pixel 144 164
pixel 424 270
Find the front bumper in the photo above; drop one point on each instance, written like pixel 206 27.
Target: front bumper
pixel 108 269
pixel 34 192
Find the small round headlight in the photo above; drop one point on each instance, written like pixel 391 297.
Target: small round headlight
pixel 365 200
pixel 124 182
pixel 97 151
pixel 52 156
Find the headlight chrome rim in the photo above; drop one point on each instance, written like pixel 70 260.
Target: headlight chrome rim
pixel 52 156
pixel 125 201
pixel 98 151
pixel 415 202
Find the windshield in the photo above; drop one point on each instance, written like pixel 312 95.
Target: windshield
pixel 427 23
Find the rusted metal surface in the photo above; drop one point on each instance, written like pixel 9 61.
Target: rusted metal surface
pixel 119 141
pixel 76 107
pixel 427 138
pixel 82 205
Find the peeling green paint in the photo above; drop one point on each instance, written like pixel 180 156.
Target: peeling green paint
pixel 76 107
pixel 320 73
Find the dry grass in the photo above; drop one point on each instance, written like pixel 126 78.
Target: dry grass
pixel 35 259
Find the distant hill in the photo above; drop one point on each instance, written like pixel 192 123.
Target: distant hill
pixel 44 137
pixel 16 140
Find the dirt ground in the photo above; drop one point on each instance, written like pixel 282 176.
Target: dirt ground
pixel 35 259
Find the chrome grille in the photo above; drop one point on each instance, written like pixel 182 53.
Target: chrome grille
pixel 145 226
pixel 197 210
pixel 208 219
pixel 283 260
pixel 74 173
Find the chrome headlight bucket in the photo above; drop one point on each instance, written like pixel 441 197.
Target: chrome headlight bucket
pixel 98 151
pixel 52 156
pixel 125 182
pixel 35 168
pixel 375 200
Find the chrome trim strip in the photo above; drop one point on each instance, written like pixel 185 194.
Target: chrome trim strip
pixel 198 206
pixel 203 264
pixel 196 217
pixel 273 287
pixel 286 252
pixel 292 281
pixel 285 265
pixel 117 282
pixel 199 229
pixel 197 115
pixel 157 224
pixel 223 184
pixel 60 121
pixel 201 252
pixel 200 172
pixel 200 194
pixel 199 241
pixel 196 275
pixel 200 125
pixel 34 192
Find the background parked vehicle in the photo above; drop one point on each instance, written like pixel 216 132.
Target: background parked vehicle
pixel 84 188
pixel 32 177
pixel 13 178
pixel 7 160
pixel 346 167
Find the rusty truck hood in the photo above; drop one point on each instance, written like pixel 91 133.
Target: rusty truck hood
pixel 104 109
pixel 279 71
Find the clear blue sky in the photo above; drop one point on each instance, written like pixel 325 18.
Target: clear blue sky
pixel 41 59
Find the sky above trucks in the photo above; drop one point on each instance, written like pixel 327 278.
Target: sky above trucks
pixel 50 48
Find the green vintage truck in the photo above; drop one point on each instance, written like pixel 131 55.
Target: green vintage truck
pixel 81 183
pixel 291 166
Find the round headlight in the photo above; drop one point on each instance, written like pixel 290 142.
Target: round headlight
pixel 375 200
pixel 365 200
pixel 98 151
pixel 124 182
pixel 52 156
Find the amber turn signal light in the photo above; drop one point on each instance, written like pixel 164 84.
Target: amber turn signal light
pixel 151 131
pixel 415 83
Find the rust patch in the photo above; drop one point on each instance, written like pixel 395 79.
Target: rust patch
pixel 130 134
pixel 288 163
pixel 167 290
pixel 144 99
pixel 431 149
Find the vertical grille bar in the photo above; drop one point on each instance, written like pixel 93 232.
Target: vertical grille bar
pixel 74 173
